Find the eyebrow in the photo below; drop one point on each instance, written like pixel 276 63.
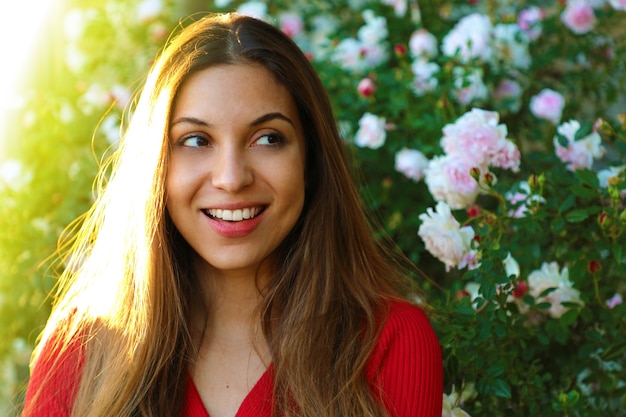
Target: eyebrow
pixel 259 120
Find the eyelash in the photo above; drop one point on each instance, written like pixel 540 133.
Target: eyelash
pixel 279 139
pixel 276 137
pixel 184 139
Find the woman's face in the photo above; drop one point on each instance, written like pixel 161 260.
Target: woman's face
pixel 235 183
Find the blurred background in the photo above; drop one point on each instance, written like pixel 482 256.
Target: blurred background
pixel 70 68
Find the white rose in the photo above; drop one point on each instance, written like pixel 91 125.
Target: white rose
pixel 13 175
pixel 256 9
pixel 443 236
pixel 412 163
pixel 375 29
pixel 423 44
pixel 550 277
pixel 511 267
pixel 449 410
pixel 371 133
pixel 471 38
pixel 604 175
pixel 578 154
pixel 469 85
pixel 348 55
pixel 511 46
pixel 223 3
pixel 424 72
pixel 149 9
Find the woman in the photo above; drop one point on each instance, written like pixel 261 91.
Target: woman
pixel 227 268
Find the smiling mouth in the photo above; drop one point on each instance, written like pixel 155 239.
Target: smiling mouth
pixel 234 215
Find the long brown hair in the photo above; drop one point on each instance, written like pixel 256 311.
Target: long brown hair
pixel 321 311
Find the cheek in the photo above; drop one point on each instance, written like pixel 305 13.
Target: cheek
pixel 178 183
pixel 294 190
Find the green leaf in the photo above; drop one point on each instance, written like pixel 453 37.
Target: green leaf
pixel 584 130
pixel 465 310
pixel 543 306
pixel 576 216
pixel 488 290
pixel 558 224
pixel 452 365
pixel 546 292
pixel 569 317
pixel 587 177
pixel 614 352
pixel 567 203
pixel 617 252
pixel 495 370
pixel 621 147
pixel 562 140
pixel 584 191
pixel 572 397
pixel 501 389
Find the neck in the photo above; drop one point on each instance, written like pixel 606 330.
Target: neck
pixel 232 299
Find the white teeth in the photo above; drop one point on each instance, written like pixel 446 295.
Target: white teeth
pixel 235 215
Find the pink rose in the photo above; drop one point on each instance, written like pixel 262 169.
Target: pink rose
pixel 579 17
pixel 478 137
pixel 291 24
pixel 525 196
pixel 507 156
pixel 412 163
pixel 548 105
pixel 508 95
pixel 529 20
pixel 366 87
pixel 614 301
pixel 448 179
pixel 371 133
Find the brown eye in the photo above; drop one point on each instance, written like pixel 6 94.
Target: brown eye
pixel 270 139
pixel 194 141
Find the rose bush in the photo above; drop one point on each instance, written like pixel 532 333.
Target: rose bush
pixel 491 137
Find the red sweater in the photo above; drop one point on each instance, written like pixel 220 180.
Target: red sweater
pixel 406 364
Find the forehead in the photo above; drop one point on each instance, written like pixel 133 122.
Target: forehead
pixel 228 87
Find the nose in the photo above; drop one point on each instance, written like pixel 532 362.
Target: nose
pixel 230 170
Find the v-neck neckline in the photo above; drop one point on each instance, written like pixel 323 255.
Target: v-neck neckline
pixel 258 399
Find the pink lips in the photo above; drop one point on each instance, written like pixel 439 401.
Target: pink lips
pixel 236 229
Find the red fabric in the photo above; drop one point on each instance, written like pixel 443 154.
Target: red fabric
pixel 58 375
pixel 405 372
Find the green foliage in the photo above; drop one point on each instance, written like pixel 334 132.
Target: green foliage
pixel 507 351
